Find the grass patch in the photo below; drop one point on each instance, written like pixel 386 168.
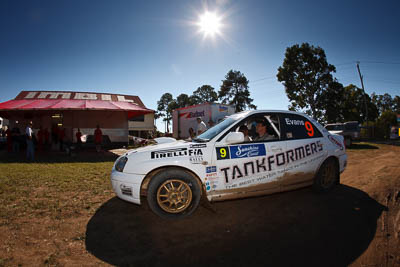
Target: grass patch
pixel 56 189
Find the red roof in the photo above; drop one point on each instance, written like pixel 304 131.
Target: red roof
pixel 56 100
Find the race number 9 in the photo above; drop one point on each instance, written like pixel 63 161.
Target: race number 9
pixel 309 128
pixel 223 153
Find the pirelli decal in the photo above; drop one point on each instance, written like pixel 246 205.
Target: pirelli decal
pixel 169 153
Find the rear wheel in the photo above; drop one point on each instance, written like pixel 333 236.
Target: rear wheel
pixel 173 193
pixel 327 176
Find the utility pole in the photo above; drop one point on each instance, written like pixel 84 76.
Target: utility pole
pixel 362 85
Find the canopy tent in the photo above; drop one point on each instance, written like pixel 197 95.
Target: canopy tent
pixel 84 110
pixel 132 109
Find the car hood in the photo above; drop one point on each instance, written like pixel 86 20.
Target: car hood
pixel 145 159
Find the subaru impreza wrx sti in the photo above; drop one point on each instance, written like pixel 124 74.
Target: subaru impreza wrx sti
pixel 227 163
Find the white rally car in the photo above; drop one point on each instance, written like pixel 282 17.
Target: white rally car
pixel 219 164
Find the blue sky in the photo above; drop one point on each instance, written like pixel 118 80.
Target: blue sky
pixel 148 48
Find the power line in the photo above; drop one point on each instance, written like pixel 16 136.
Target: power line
pixel 262 79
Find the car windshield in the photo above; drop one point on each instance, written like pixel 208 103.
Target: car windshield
pixel 214 131
pixel 335 127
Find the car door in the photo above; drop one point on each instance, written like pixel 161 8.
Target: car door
pixel 249 168
pixel 304 151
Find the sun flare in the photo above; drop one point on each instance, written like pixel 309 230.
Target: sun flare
pixel 210 24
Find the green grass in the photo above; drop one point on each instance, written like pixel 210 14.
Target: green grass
pixel 55 189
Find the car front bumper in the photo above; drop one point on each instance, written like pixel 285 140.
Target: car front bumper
pixel 127 185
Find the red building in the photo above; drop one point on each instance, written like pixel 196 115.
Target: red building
pixel 73 110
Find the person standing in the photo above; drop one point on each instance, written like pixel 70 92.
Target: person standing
pixel 61 136
pixel 97 138
pixel 30 150
pixel 9 140
pixel 16 137
pixel 46 138
pixel 201 126
pixel 40 137
pixel 78 139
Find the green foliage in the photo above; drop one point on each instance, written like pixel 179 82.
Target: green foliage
pixel 353 108
pixel 382 125
pixel 235 91
pixel 306 74
pixel 385 102
pixel 165 106
pixel 205 94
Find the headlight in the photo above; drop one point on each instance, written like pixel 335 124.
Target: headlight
pixel 120 165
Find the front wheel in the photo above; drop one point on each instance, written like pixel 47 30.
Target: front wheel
pixel 327 176
pixel 173 193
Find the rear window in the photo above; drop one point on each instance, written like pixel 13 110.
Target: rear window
pixel 299 127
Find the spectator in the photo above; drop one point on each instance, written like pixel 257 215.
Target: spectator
pixel 98 138
pixel 16 137
pixel 61 136
pixel 78 139
pixel 9 140
pixel 46 135
pixel 245 132
pixel 201 126
pixel 30 150
pixel 40 138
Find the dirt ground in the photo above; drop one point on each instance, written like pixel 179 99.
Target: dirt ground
pixel 356 224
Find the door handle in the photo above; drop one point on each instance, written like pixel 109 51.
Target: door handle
pixel 276 149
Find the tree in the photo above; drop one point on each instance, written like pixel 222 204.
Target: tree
pixel 205 94
pixel 305 73
pixel 354 105
pixel 333 102
pixel 387 119
pixel 183 100
pixel 235 91
pixel 384 102
pixel 163 106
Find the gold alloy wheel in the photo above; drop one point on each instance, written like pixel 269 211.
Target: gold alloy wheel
pixel 174 196
pixel 328 176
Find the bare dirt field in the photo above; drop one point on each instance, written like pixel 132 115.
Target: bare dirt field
pixel 356 224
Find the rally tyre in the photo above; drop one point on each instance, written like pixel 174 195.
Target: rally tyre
pixel 173 194
pixel 327 176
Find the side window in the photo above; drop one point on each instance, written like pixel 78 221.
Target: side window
pixel 298 127
pixel 260 128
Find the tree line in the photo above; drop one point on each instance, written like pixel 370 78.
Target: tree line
pixel 310 87
pixel 234 90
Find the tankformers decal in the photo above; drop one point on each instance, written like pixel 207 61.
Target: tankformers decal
pixel 269 163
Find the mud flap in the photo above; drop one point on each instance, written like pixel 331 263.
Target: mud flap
pixel 205 202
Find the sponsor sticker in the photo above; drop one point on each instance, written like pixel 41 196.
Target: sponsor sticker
pixel 240 151
pixel 335 141
pixel 211 169
pixel 247 151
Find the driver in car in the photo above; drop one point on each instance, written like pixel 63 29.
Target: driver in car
pixel 261 130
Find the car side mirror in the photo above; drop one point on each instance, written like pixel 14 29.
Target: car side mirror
pixel 234 138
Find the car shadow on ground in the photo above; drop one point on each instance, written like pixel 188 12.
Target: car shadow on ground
pixel 293 228
pixel 361 146
pixel 59 157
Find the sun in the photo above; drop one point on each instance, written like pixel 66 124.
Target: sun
pixel 210 24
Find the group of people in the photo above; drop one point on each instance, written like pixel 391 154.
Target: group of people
pixel 41 141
